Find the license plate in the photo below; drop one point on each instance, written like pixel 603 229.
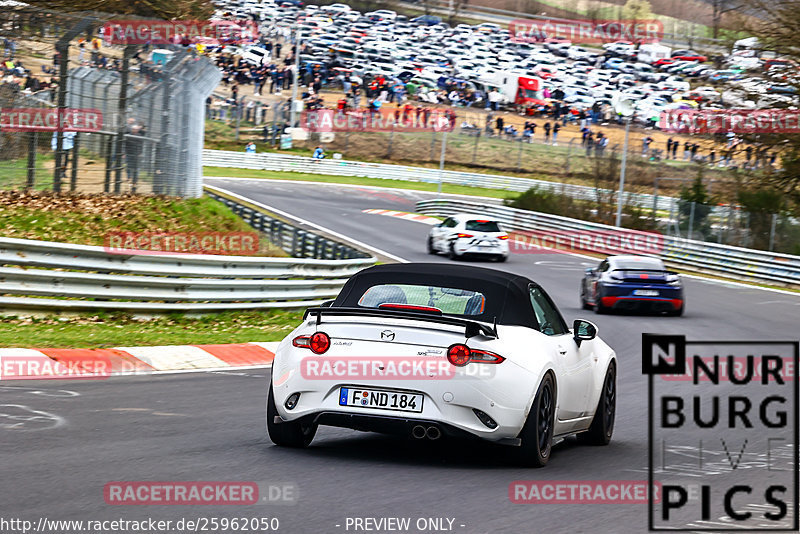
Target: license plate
pixel 645 292
pixel 382 400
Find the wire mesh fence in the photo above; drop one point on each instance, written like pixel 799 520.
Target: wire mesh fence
pixel 150 100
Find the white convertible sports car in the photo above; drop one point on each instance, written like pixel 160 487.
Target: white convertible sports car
pixel 426 350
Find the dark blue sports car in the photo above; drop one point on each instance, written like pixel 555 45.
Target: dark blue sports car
pixel 632 283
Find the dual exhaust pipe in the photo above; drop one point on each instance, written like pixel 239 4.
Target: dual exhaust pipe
pixel 432 432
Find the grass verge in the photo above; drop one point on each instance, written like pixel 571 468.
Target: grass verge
pixel 123 330
pixel 230 172
pixel 87 219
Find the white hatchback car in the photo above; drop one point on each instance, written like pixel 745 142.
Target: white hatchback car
pixel 469 235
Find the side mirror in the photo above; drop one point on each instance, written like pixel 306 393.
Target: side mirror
pixel 583 331
pixel 590 271
pixel 326 304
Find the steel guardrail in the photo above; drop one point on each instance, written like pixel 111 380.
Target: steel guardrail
pixel 688 255
pixel 91 277
pixel 50 276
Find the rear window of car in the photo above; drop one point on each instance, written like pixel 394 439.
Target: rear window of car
pixel 483 226
pixel 450 301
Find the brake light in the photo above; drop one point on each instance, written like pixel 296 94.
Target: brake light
pixel 503 237
pixel 464 235
pixel 318 342
pixel 460 355
pixel 410 307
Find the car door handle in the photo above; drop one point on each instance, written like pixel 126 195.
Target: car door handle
pixel 562 351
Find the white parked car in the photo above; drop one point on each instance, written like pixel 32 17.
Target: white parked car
pixel 433 349
pixel 469 235
pixel 255 56
pixel 577 52
pixel 382 14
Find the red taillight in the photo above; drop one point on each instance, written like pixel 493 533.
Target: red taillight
pixel 319 342
pixel 464 235
pixel 458 355
pixel 503 237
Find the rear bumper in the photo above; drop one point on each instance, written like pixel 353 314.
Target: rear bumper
pixel 649 303
pixel 464 249
pixel 449 404
pixel 394 425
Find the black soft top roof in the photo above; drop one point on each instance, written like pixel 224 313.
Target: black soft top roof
pixel 507 294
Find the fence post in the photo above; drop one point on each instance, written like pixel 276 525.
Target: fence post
pixel 691 221
pixel 655 198
pixel 772 231
pixel 569 152
pixel 475 147
pixel 123 108
pixel 73 182
pixel 238 117
pixel 110 158
pixel 519 155
pixel 391 141
pixel 31 181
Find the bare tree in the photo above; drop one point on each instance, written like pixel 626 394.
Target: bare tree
pixel 776 24
pixel 719 8
pixel 454 10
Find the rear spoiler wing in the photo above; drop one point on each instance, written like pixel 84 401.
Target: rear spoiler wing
pixel 472 328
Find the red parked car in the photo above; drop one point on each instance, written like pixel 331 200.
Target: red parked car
pixel 663 62
pixel 688 55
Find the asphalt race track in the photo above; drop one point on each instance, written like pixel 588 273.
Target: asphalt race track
pixel 62 441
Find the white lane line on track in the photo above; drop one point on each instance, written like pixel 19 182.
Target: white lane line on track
pixel 591 258
pixel 313 225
